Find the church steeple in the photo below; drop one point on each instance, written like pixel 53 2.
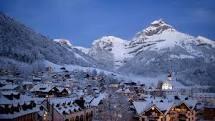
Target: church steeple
pixel 167 85
pixel 169 76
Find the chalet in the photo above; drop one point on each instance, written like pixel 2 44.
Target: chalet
pixel 62 91
pixel 161 109
pixel 181 111
pixel 17 107
pixel 68 109
pixel 44 90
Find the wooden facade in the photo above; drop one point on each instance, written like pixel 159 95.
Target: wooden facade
pixel 179 112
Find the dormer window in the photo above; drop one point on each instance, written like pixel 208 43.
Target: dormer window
pixel 42 88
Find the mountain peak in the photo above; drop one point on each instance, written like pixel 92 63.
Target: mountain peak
pixel 158 22
pixel 108 39
pixel 63 42
pixel 157 27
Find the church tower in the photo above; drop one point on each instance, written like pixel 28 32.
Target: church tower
pixel 167 85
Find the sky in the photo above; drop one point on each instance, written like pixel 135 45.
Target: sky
pixel 83 21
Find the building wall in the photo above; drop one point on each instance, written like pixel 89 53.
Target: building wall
pixel 57 116
pixel 78 116
pixel 209 113
pixel 145 118
pixel 28 117
pixel 174 116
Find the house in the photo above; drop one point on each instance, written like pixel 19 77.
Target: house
pixel 68 109
pixel 180 111
pixel 44 90
pixel 17 107
pixel 169 109
pixel 63 91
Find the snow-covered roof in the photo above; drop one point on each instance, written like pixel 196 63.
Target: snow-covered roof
pixel 63 88
pixel 62 100
pixel 88 98
pixel 163 104
pixel 9 87
pixel 42 87
pixel 65 105
pixel 68 109
pixel 96 101
pixel 9 92
pixel 23 99
pixel 18 114
pixel 27 82
pixel 127 91
pixel 191 103
pixel 119 91
pixel 141 106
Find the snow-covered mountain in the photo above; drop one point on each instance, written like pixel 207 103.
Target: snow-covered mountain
pixel 22 44
pixel 160 48
pixel 151 53
pixel 79 52
pixel 157 49
pixel 109 50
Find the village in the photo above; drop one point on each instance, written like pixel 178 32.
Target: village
pixel 92 96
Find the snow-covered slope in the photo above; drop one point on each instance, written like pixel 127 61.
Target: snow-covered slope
pixel 110 50
pixel 21 43
pixel 78 53
pixel 67 43
pixel 82 49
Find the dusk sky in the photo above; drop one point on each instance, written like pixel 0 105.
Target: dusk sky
pixel 83 21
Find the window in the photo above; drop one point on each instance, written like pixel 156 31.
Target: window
pixel 76 118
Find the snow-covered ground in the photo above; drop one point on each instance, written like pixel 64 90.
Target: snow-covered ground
pixel 148 81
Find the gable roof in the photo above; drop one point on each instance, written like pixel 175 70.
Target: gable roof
pixel 163 104
pixel 42 88
pixel 9 87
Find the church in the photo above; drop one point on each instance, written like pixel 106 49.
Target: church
pixel 167 85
